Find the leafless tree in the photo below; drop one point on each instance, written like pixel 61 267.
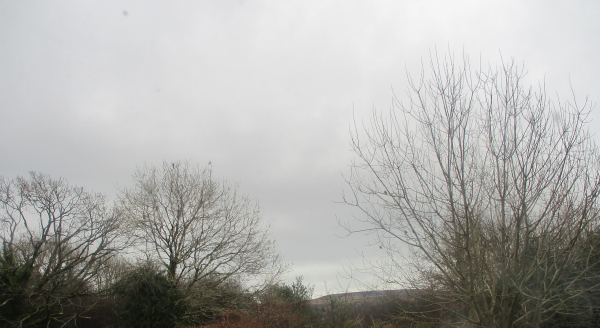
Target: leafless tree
pixel 56 239
pixel 490 185
pixel 197 226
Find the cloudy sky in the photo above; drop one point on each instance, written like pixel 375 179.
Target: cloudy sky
pixel 265 90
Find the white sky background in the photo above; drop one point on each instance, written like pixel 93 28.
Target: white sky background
pixel 264 89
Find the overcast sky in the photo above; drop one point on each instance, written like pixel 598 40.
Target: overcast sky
pixel 266 90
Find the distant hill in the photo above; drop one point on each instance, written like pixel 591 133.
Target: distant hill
pixel 357 298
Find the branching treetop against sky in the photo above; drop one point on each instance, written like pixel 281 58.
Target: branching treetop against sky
pixel 266 90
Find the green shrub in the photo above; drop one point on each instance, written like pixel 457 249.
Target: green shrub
pixel 148 299
pixel 296 292
pixel 339 314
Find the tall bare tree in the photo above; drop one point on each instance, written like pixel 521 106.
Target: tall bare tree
pixel 56 239
pixel 492 187
pixel 197 226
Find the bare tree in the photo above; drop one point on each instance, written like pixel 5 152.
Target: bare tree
pixel 56 239
pixel 491 186
pixel 197 226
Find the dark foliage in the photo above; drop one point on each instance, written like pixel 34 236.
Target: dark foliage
pixel 148 299
pixel 13 281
